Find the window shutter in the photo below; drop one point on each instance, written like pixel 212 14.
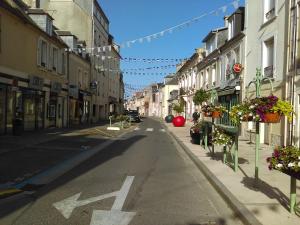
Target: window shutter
pixel 50 59
pixel 39 52
pixel 59 59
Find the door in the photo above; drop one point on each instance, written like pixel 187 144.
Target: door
pixel 2 108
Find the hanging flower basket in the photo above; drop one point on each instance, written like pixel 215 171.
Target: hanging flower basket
pixel 292 174
pixel 207 114
pixel 286 160
pixel 271 117
pixel 216 114
pixel 247 118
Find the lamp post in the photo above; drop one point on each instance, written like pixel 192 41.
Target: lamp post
pixel 257 82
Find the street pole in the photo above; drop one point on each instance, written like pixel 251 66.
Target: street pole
pixel 257 136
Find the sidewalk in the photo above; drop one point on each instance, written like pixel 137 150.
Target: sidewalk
pixel 268 203
pixel 33 153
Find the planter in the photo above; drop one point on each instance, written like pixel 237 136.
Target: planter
pixel 272 118
pixel 178 121
pixel 247 118
pixel 169 118
pixel 196 136
pixel 292 174
pixel 207 114
pixel 216 114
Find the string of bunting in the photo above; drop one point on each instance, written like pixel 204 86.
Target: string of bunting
pixel 185 24
pixel 161 33
pixel 146 74
pixel 150 68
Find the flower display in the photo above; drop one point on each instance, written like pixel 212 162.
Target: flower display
pixel 243 112
pixel 221 138
pixel 285 159
pixel 213 108
pixel 259 109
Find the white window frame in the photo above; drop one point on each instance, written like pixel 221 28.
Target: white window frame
pixel 42 53
pixel 266 8
pixel 265 39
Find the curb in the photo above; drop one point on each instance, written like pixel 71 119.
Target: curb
pixel 246 216
pixel 58 170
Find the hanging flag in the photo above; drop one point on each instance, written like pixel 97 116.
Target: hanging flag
pixel 162 33
pixel 149 38
pixel 109 48
pixel 141 40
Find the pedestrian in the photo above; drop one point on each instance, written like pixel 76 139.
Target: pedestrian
pixel 196 116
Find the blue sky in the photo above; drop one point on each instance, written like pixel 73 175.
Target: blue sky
pixel 132 19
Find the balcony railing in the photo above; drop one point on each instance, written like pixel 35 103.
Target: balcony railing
pixel 270 14
pixel 268 71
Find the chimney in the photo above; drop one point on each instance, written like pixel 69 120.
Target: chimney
pixel 226 21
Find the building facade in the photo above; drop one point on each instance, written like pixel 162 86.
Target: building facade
pixel 33 81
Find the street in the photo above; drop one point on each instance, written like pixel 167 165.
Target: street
pixel 142 178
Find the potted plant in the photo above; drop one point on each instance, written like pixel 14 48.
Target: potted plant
pixel 196 132
pixel 214 111
pixel 179 120
pixel 241 113
pixel 221 138
pixel 270 109
pixel 201 96
pixel 287 160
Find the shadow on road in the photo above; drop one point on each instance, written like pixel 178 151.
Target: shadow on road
pixel 115 149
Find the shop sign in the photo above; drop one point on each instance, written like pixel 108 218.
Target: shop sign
pixel 73 91
pixel 36 82
pixel 237 68
pixel 56 87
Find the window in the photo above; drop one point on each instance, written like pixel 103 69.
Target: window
pixel 230 29
pixel 269 10
pixel 42 53
pixel 268 57
pixel 55 59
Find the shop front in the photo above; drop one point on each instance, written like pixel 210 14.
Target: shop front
pixel 84 106
pixel 55 106
pixel 73 105
pixel 21 108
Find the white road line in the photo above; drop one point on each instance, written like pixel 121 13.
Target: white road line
pixel 162 130
pixel 137 128
pixel 149 129
pixel 122 194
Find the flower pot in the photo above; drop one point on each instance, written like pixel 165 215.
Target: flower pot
pixel 247 118
pixel 216 114
pixel 271 118
pixel 196 136
pixel 169 118
pixel 292 174
pixel 178 121
pixel 207 114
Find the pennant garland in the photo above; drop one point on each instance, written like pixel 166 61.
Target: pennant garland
pixel 170 30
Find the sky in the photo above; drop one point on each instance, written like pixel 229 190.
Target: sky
pixel 133 19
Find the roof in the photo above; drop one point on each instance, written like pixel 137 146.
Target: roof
pixel 212 32
pixel 172 82
pixel 240 10
pixel 38 12
pixel 15 9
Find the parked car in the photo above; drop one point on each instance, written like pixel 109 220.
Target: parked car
pixel 134 116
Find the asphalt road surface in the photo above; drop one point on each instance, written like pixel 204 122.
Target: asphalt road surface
pixel 143 178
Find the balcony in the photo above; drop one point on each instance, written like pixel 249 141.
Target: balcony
pixel 270 14
pixel 268 71
pixel 182 91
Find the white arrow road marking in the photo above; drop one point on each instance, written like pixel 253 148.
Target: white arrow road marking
pixel 113 217
pixel 149 129
pixel 137 128
pixel 162 130
pixel 67 205
pixel 101 217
